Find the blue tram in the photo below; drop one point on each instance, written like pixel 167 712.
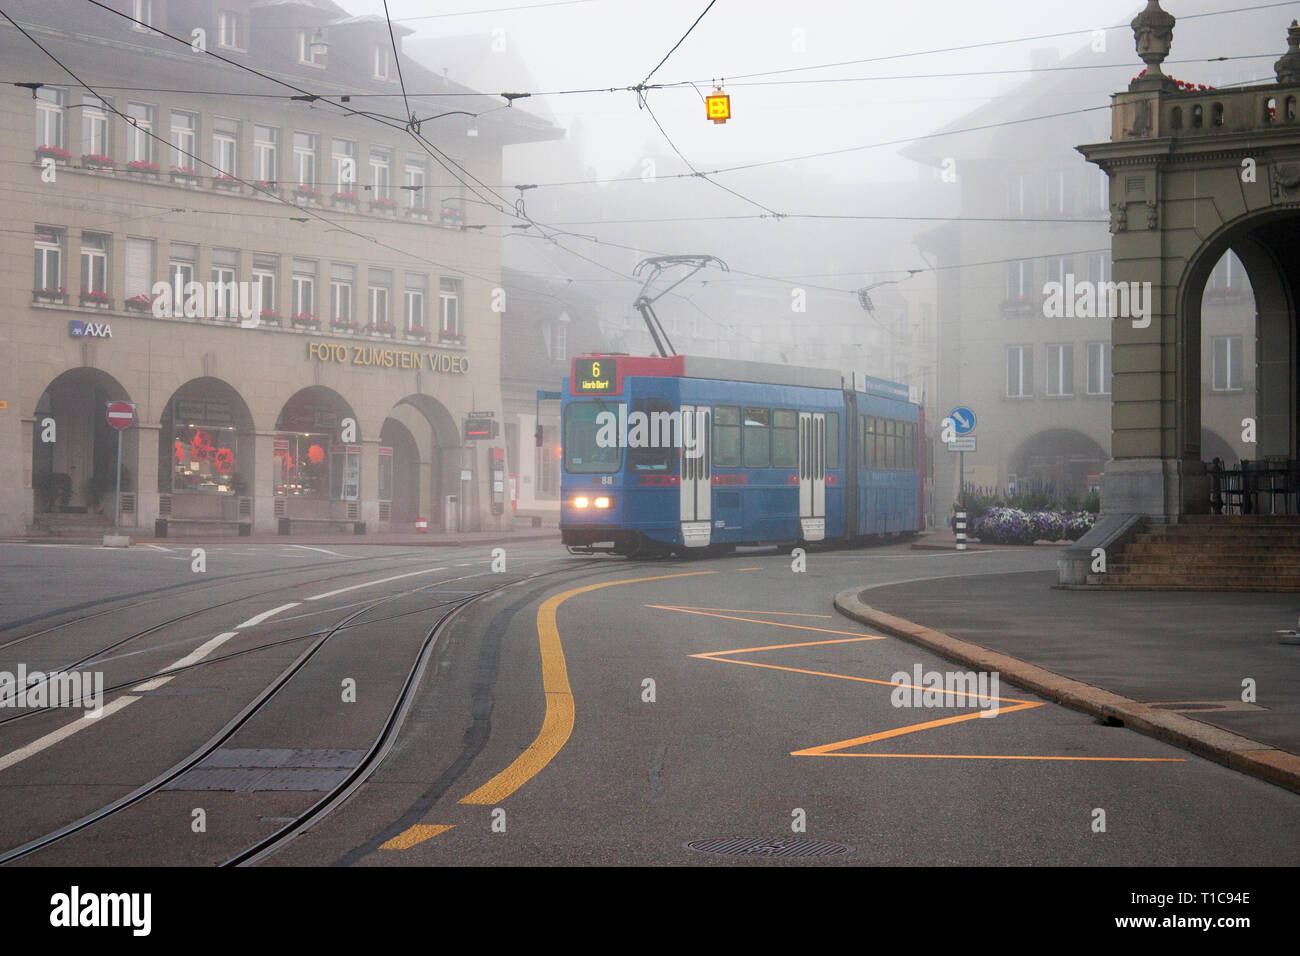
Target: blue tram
pixel 682 453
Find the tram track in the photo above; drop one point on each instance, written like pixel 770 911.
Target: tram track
pixel 380 746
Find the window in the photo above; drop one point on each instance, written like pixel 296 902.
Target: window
pixel 139 268
pixel 304 287
pixel 416 286
pixel 381 62
pixel 94 126
pixel 344 154
pixel 185 128
pixel 142 11
pixel 1099 368
pixel 1020 280
pixel 785 438
pixel 867 433
pixel 1099 267
pixel 1017 194
pixel 758 437
pixel 265 270
pixel 225 139
pixel 301 466
pixel 726 436
pixel 180 271
pixel 1099 191
pixel 228 29
pixel 584 454
pixel 659 453
pixel 1058 267
pixel 891 444
pixel 304 158
pixel 225 293
pixel 341 282
pixel 49 116
pixel 832 440
pixel 560 340
pixel 1227 363
pixel 1060 370
pixel 1227 276
pixel 94 263
pixel 305 52
pixel 1020 371
pixel 449 306
pixel 1060 193
pixel 345 472
pixel 416 173
pixel 265 140
pixel 205 457
pixel 381 281
pixel 139 142
pixel 381 170
pixel 49 259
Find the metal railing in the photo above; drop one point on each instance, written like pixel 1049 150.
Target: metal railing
pixel 1263 487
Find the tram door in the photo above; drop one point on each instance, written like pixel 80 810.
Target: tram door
pixel 812 475
pixel 695 471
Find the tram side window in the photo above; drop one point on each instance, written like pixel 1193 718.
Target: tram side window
pixel 891 444
pixel 785 438
pixel 658 452
pixel 832 440
pixel 758 437
pixel 911 446
pixel 868 442
pixel 880 443
pixel 726 436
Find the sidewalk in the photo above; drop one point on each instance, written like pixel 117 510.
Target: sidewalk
pixel 433 539
pixel 1122 656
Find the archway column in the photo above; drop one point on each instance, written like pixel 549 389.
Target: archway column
pixel 370 483
pixel 146 484
pixel 262 489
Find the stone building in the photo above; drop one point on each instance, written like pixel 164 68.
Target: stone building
pixel 273 267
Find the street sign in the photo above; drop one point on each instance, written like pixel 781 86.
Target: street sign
pixel 963 420
pixel 121 415
pixel 966 443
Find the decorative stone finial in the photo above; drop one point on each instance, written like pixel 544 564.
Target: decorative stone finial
pixel 1288 68
pixel 1153 30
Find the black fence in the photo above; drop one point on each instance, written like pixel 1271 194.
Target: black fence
pixel 1270 486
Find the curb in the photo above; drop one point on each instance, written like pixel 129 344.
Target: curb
pixel 377 540
pixel 1280 767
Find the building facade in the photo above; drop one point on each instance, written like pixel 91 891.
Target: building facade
pixel 289 292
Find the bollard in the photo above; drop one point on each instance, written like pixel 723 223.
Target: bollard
pixel 960 526
pixel 422 525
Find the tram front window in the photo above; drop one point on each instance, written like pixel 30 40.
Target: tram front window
pixel 590 443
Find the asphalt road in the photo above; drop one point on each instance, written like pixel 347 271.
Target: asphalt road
pixel 587 710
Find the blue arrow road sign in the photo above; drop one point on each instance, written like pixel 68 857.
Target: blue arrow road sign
pixel 963 420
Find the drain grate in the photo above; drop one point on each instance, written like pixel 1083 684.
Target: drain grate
pixel 769 849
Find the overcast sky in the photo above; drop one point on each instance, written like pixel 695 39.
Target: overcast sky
pixel 613 43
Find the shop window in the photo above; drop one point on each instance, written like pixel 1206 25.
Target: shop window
pixel 345 472
pixel 385 474
pixel 302 465
pixel 205 448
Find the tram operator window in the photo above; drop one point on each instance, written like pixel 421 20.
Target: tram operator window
pixel 585 450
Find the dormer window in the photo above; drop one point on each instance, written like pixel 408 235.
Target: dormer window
pixel 311 48
pixel 381 62
pixel 229 29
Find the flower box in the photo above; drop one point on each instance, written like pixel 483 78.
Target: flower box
pixel 57 296
pixel 183 174
pixel 99 300
pixel 269 316
pixel 139 303
pixel 306 320
pixel 96 161
pixel 57 153
pixel 383 205
pixel 307 193
pixel 225 181
pixel 344 199
pixel 417 332
pixel 455 338
pixel 346 326
pixel 452 217
pixel 142 167
pixel 418 212
pixel 380 328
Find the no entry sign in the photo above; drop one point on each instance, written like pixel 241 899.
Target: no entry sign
pixel 121 415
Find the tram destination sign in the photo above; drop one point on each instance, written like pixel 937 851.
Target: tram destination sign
pixel 595 376
pixel 379 357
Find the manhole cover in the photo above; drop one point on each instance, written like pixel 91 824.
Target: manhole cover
pixel 765 849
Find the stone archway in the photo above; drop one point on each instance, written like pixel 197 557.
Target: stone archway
pixel 1058 461
pixel 207 452
pixel 438 443
pixel 1193 173
pixel 315 472
pixel 74 449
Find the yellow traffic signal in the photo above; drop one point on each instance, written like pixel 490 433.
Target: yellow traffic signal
pixel 719 106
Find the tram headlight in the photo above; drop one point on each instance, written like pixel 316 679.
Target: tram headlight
pixel 581 502
pixel 603 502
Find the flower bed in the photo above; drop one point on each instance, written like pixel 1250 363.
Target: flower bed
pixel 1013 526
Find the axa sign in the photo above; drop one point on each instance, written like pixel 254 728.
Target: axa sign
pixel 97 330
